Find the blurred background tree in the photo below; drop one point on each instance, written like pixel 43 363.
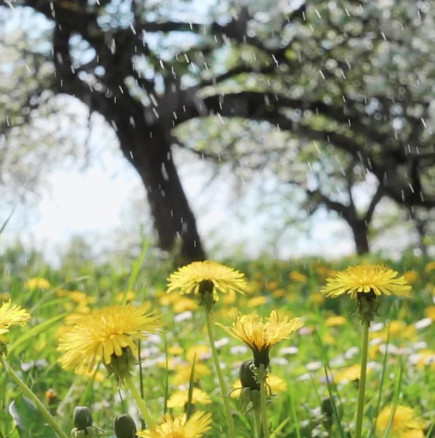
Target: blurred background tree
pixel 332 98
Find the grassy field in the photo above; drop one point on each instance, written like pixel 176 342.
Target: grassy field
pixel 315 372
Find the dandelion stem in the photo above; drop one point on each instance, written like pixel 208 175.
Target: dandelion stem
pixel 362 382
pixel 261 376
pixel 231 429
pixel 30 395
pixel 257 423
pixel 139 401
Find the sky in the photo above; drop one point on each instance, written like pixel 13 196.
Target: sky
pixel 97 200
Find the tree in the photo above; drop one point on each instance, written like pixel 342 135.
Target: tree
pixel 323 71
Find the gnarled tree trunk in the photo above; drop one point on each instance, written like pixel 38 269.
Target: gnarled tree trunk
pixel 360 236
pixel 149 151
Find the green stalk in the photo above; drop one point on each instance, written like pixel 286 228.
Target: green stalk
pixel 257 423
pixel 30 395
pixel 362 383
pixel 139 402
pixel 261 376
pixel 230 422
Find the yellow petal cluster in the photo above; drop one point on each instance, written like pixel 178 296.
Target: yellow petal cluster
pixel 180 398
pixel 102 333
pixel 37 283
pixel 180 427
pixel 405 424
pixel 11 315
pixel 365 279
pixel 262 336
pixel 188 279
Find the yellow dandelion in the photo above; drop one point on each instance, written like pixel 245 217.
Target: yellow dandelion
pixel 180 427
pixel 179 399
pixel 430 312
pixel 184 371
pixel 297 277
pixel 271 285
pixel 129 296
pixel 255 286
pixel 103 334
pixel 328 339
pixel 335 321
pixel 260 336
pixel 278 293
pixel 430 267
pixel 426 360
pixel 405 422
pixel 198 352
pixel 98 376
pixel 37 283
pixel 198 277
pixel 377 279
pixel 317 298
pixel 229 299
pixel 256 302
pixel 349 374
pixel 11 315
pixel 175 350
pixel 411 276
pixel 183 304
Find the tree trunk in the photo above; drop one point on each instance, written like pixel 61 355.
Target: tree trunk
pixel 360 235
pixel 150 154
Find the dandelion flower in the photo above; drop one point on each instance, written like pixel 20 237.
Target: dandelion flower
pixel 180 427
pixel 37 283
pixel 349 374
pixel 257 301
pixel 179 399
pixel 405 423
pixel 335 321
pixel 297 277
pixel 364 279
pixel 184 371
pixel 104 334
pixel 262 336
pixel 11 315
pixel 201 277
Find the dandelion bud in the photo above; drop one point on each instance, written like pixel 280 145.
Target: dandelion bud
pixel 82 417
pixel 247 375
pixel 124 427
pixel 83 424
pixel 250 395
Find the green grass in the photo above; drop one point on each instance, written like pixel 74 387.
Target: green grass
pixel 292 287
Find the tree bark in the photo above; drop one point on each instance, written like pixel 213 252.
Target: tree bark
pixel 360 236
pixel 150 154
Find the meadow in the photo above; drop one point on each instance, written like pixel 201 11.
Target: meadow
pixel 313 377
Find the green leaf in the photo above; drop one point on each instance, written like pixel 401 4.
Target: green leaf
pixel 28 421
